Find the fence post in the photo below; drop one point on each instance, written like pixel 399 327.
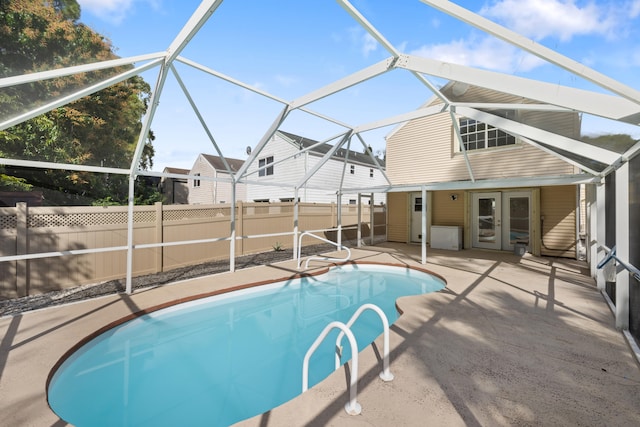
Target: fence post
pixel 158 238
pixel 240 228
pixel 22 266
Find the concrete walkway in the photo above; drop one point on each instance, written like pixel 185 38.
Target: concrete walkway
pixel 510 341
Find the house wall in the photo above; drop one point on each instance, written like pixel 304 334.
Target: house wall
pixel 203 193
pixel 212 192
pixel 398 212
pixel 320 188
pixel 446 211
pixel 558 208
pixel 424 150
pixel 557 205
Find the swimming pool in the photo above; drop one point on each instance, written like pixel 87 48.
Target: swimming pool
pixel 222 359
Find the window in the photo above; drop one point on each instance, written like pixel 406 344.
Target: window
pixel 268 170
pixel 353 169
pixel 352 201
pixel 477 135
pixel 196 182
pixel 370 173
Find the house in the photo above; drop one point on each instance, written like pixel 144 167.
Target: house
pixel 209 191
pixel 175 190
pixel 486 189
pixel 288 158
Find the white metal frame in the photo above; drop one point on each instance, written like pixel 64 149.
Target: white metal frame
pixel 622 104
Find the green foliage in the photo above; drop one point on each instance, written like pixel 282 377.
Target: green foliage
pixel 101 129
pixel 614 142
pixel 11 183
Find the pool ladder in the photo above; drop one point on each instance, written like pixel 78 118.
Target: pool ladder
pixel 352 406
pixel 319 258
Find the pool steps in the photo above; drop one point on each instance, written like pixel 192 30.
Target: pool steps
pixel 352 406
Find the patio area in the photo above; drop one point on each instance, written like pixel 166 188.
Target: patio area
pixel 510 341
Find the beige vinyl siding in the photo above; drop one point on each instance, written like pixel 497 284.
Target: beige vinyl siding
pixel 419 150
pixel 424 151
pixel 446 211
pixel 558 207
pixel 398 217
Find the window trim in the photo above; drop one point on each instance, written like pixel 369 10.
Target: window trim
pixel 487 128
pixel 268 170
pixel 196 182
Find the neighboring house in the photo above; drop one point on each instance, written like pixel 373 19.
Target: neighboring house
pixel 360 171
pixel 175 190
pixel 520 211
pixel 203 191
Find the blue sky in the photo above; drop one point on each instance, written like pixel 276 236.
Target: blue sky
pixel 290 47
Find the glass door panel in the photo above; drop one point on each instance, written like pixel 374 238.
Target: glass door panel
pixel 487 214
pixel 517 216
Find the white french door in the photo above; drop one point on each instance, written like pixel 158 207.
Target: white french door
pixel 501 219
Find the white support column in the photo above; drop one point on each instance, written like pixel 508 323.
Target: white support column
pixel 592 230
pixel 232 242
pixel 295 223
pixel 371 219
pixel 339 227
pixel 359 233
pixel 622 246
pixel 424 225
pixel 600 234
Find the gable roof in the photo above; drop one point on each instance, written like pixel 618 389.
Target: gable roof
pixel 322 149
pixel 217 164
pixel 181 171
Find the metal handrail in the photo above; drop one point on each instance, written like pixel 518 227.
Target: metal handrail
pixel 340 247
pixel 352 407
pixel 385 375
pixel 612 255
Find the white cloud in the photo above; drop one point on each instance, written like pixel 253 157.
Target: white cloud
pixel 286 81
pixel 362 40
pixel 634 9
pixel 487 52
pixel 564 19
pixel 369 44
pixel 114 11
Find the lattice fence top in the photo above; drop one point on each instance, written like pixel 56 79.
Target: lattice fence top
pixel 7 222
pixel 87 219
pixel 181 214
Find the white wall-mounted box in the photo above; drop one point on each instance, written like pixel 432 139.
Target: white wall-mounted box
pixel 446 237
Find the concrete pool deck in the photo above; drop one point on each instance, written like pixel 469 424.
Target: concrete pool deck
pixel 510 341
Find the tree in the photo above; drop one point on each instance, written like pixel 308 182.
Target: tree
pixel 100 129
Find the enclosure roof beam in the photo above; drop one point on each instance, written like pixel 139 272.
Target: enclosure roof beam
pixel 254 89
pixel 562 142
pixel 77 69
pixel 405 117
pixel 263 141
pixel 374 159
pixel 608 106
pixel 191 28
pixel 534 48
pixel 79 94
pixel 373 32
pixel 201 119
pixel 344 83
pixel 324 159
pixel 484 184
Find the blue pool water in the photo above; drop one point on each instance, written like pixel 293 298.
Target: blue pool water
pixel 219 360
